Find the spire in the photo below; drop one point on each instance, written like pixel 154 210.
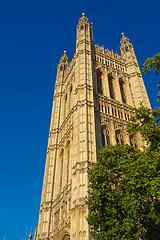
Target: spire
pixel 30 235
pixel 126 45
pixel 83 32
pixel 83 20
pixel 122 34
pixel 63 63
pixel 35 234
pixel 92 32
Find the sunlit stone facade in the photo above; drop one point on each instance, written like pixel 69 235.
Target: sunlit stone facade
pixel 93 99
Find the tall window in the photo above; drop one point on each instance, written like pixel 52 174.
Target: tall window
pixel 133 141
pixel 107 138
pixel 65 106
pixel 70 98
pixel 121 83
pixel 99 82
pixel 111 87
pixel 61 168
pixel 68 160
pixel 103 138
pixel 119 137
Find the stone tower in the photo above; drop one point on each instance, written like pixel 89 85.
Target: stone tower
pixel 93 99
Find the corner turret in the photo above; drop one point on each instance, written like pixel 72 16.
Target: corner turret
pixel 135 77
pixel 126 46
pixel 63 63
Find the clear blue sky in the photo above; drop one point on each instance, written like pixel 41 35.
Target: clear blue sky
pixel 33 36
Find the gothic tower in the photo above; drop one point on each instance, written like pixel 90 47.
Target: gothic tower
pixel 93 99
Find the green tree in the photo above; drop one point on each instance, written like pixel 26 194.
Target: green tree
pixel 146 121
pixel 152 63
pixel 124 192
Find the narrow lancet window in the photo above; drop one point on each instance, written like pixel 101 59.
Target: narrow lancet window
pixel 107 138
pixel 119 137
pixel 121 83
pixel 99 83
pixel 111 87
pixel 103 139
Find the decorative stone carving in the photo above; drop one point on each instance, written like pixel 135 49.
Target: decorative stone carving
pixel 85 116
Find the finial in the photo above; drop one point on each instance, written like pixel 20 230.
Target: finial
pixel 65 52
pixel 122 34
pixel 30 236
pixel 83 14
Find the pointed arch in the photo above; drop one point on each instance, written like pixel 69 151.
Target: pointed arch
pixel 103 138
pixel 70 97
pixel 65 106
pixel 111 86
pixel 133 141
pixel 122 90
pixel 100 81
pixel 65 235
pixel 68 159
pixel 61 163
pixel 119 137
pixel 106 136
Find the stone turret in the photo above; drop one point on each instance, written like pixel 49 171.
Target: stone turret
pixel 135 78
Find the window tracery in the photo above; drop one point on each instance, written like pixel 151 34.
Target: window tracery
pixel 65 106
pixel 99 82
pixel 119 137
pixel 105 137
pixel 68 159
pixel 133 141
pixel 111 87
pixel 122 89
pixel 61 167
pixel 70 98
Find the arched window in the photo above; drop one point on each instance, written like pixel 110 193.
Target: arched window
pixel 99 82
pixel 119 137
pixel 66 237
pixel 122 89
pixel 65 106
pixel 111 87
pixel 133 141
pixel 103 138
pixel 68 159
pixel 107 138
pixel 61 168
pixel 70 98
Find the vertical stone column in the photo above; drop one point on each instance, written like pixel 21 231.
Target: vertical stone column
pixel 51 158
pixel 135 78
pixel 84 131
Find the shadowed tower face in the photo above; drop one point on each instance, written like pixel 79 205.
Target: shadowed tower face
pixel 93 99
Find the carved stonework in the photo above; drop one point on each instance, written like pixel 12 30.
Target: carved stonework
pixel 67 237
pixel 94 97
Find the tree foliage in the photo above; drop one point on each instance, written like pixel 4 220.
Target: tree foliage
pixel 124 192
pixel 124 195
pixel 152 63
pixel 146 122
